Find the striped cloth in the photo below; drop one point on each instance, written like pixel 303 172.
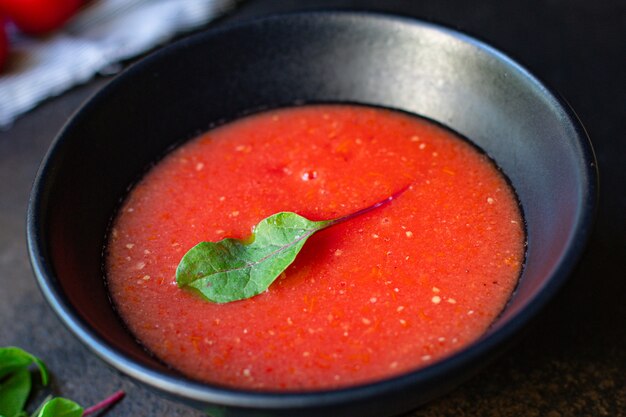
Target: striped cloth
pixel 104 33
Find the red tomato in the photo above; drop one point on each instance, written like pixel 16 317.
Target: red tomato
pixel 4 44
pixel 37 17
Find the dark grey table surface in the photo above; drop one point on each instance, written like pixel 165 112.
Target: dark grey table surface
pixel 570 362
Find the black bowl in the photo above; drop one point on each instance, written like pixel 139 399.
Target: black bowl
pixel 317 57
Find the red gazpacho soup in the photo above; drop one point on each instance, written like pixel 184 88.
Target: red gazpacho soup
pixel 390 291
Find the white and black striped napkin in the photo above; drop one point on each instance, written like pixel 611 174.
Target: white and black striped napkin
pixel 102 34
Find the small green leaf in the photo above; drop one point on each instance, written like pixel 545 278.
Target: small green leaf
pixel 13 359
pixel 14 391
pixel 60 407
pixel 15 379
pixel 233 269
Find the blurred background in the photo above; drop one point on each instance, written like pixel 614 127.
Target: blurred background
pixel 570 362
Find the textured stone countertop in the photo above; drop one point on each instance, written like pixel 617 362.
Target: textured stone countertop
pixel 570 362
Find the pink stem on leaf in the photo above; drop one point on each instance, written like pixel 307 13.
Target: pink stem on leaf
pixel 370 208
pixel 104 404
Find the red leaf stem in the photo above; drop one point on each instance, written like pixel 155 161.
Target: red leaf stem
pixel 113 399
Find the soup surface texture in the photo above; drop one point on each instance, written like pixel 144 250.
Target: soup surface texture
pixel 384 293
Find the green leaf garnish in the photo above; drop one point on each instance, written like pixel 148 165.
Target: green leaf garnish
pixel 15 386
pixel 234 269
pixel 14 391
pixel 15 379
pixel 14 358
pixel 62 407
pixel 59 407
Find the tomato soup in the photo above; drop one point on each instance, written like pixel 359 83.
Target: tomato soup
pixel 390 291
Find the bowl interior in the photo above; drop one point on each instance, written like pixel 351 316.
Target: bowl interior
pixel 322 57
